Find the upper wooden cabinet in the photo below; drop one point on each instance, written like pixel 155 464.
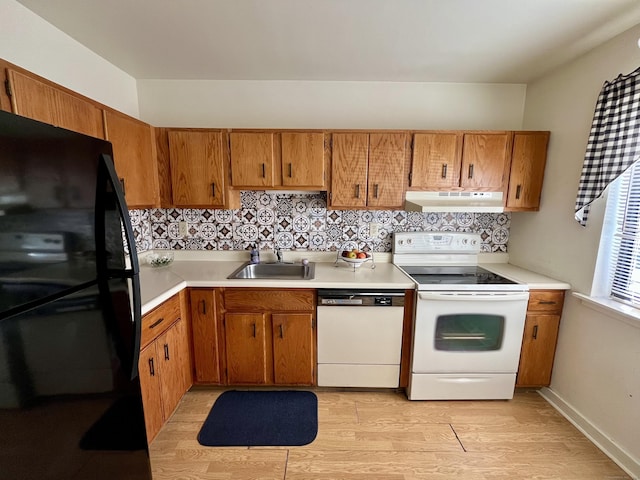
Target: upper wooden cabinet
pixel 134 158
pixel 43 102
pixel 528 160
pixel 277 159
pixel 252 159
pixel 198 168
pixel 303 159
pixel 368 170
pixel 436 160
pixel 485 160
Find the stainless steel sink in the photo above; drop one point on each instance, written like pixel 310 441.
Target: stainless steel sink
pixel 277 271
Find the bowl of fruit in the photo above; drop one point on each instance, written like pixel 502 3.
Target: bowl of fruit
pixel 355 257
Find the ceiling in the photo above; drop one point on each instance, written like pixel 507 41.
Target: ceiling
pixel 504 41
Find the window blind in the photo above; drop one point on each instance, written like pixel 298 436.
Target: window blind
pixel 625 242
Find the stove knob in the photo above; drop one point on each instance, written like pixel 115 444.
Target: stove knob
pixel 400 242
pixel 474 242
pixel 464 241
pixel 409 241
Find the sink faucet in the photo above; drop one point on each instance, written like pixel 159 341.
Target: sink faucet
pixel 278 255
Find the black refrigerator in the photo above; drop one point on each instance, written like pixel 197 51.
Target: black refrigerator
pixel 70 399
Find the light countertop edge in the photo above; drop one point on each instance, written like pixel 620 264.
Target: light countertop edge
pixel 160 284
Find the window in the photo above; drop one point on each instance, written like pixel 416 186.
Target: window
pixel 619 258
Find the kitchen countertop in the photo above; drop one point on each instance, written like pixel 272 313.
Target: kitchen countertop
pixel 160 284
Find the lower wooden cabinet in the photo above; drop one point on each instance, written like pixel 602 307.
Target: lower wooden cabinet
pixel 540 338
pixel 270 336
pixel 206 330
pixel 164 365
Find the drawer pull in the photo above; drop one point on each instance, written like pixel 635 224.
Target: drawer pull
pixel 166 351
pixel 518 190
pixel 535 332
pixel 152 370
pixel 444 170
pixel 157 322
pixel 253 325
pixel 203 310
pixel 281 331
pixel 547 302
pixel 471 171
pixel 263 171
pixel 290 170
pixel 357 190
pixel 213 189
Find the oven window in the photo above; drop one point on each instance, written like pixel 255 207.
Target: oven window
pixel 469 332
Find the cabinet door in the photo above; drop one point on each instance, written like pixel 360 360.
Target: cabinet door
pixel 204 324
pixel 386 178
pixel 39 101
pixel 350 153
pixel 149 372
pixel 134 159
pixel 246 348
pixel 173 354
pixel 436 160
pixel 302 159
pixel 538 350
pixel 485 161
pixel 197 169
pixel 252 159
pixel 528 159
pixel 293 352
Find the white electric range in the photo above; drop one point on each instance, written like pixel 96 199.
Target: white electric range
pixel 468 322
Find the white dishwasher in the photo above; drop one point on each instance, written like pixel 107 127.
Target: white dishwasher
pixel 359 337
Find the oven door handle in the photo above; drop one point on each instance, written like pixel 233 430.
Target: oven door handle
pixel 474 297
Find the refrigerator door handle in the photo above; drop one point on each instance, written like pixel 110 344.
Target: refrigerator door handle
pixel 106 168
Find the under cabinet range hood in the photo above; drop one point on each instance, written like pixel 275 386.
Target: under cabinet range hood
pixel 473 202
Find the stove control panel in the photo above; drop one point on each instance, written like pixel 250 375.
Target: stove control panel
pixel 436 242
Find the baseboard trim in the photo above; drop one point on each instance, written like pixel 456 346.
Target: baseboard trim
pixel 608 447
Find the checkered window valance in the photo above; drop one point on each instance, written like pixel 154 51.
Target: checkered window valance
pixel 614 140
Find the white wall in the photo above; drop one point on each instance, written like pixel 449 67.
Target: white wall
pixel 310 104
pixel 597 366
pixel 30 42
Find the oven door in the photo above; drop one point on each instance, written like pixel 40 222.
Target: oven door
pixel 468 332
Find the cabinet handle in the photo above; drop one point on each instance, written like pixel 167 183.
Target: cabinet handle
pixel 124 190
pixel 156 323
pixel 375 190
pixel 518 190
pixel 263 171
pixel 471 171
pixel 254 330
pixel 357 190
pixel 290 170
pixel 547 302
pixel 444 170
pixel 213 189
pixel 281 331
pixel 166 351
pixel 152 370
pixel 535 332
pixel 204 307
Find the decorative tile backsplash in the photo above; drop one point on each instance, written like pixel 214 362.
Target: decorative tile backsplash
pixel 301 222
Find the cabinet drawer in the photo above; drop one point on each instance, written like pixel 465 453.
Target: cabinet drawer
pixel 158 320
pixel 247 299
pixel 549 301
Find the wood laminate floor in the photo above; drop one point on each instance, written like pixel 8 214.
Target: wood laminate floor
pixel 379 435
